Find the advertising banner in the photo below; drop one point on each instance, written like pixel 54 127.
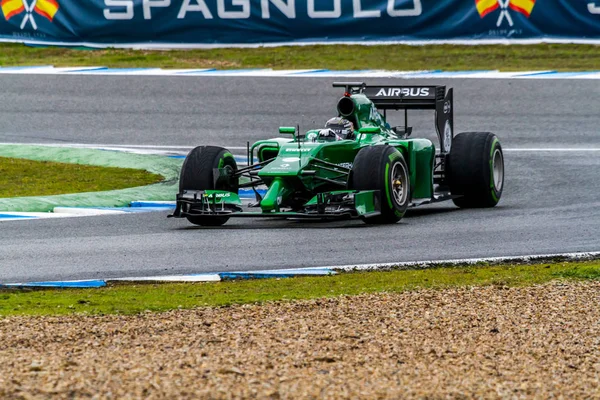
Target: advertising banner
pixel 196 23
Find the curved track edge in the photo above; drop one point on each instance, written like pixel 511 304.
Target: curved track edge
pixel 165 166
pixel 315 271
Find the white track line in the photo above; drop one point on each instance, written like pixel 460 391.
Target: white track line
pixel 417 43
pixel 553 149
pixel 314 73
pixel 158 147
pixel 467 261
pixel 116 146
pixel 170 278
pixel 94 145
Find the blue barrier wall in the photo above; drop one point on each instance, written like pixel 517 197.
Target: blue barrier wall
pixel 208 22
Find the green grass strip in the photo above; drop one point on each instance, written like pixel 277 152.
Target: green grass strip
pixel 137 298
pixel 19 177
pixel 566 57
pixel 154 164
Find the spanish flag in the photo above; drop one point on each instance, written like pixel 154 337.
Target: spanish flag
pixel 484 7
pixel 523 6
pixel 10 8
pixel 46 8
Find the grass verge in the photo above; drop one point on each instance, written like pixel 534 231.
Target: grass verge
pixel 137 298
pixel 571 57
pixel 20 177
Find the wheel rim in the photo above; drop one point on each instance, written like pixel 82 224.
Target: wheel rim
pixel 399 177
pixel 498 169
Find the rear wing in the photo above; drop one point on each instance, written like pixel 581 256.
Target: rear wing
pixel 393 97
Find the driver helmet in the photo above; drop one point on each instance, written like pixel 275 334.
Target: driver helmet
pixel 338 128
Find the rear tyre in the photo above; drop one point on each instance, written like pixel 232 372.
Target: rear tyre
pixel 475 169
pixel 197 174
pixel 383 168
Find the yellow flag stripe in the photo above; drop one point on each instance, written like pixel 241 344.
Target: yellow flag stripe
pixel 11 8
pixel 46 8
pixel 486 6
pixel 524 6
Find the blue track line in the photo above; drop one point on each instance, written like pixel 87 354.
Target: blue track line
pixel 11 216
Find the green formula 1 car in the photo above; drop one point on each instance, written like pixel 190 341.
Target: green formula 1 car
pixel 358 166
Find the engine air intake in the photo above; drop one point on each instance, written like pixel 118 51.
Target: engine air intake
pixel 346 106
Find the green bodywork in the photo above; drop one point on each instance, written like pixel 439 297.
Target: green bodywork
pixel 309 175
pixel 364 202
pixel 293 171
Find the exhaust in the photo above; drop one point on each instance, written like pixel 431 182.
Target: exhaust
pixel 346 106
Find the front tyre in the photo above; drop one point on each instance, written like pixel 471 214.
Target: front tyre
pixel 197 173
pixel 475 170
pixel 383 168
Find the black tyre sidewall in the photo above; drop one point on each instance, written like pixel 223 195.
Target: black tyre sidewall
pixel 372 168
pixel 198 166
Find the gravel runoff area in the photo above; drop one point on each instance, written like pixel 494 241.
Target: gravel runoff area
pixel 533 342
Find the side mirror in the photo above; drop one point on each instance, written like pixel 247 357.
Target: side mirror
pixel 370 130
pixel 288 130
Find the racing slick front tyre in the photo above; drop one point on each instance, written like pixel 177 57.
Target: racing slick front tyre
pixel 383 168
pixel 475 170
pixel 197 174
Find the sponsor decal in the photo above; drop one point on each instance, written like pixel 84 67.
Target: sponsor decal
pixel 290 159
pixel 293 150
pixel 447 107
pixel 217 195
pixel 346 165
pixel 593 8
pixel 14 8
pixel 401 92
pixel 485 7
pixel 243 9
pixel 447 137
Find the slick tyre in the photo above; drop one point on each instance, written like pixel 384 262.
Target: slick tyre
pixel 475 170
pixel 383 168
pixel 197 174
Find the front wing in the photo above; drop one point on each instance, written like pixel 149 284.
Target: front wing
pixel 345 204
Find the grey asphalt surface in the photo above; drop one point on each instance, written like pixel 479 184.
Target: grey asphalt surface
pixel 550 203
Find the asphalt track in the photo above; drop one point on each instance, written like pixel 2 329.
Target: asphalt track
pixel 550 203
